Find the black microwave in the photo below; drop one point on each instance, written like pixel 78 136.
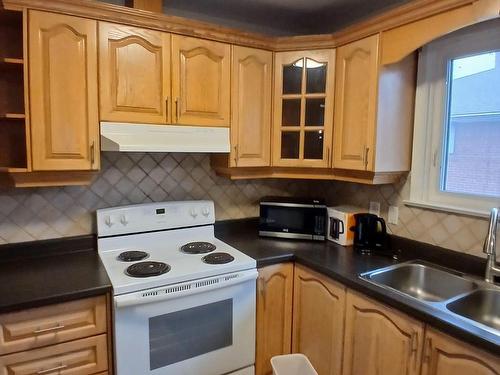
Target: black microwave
pixel 299 218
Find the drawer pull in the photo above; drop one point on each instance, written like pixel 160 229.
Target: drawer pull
pixel 45 330
pixel 57 368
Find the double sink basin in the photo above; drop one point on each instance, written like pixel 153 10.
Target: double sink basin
pixel 468 298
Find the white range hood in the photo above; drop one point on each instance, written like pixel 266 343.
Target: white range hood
pixel 127 137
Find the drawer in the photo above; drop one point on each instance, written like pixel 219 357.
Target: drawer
pixel 81 357
pixel 53 324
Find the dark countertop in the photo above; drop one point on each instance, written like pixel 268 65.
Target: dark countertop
pixel 343 264
pixel 39 273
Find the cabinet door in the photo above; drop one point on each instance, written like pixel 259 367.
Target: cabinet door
pixel 444 355
pixel 63 92
pixel 274 315
pixel 380 340
pixel 318 320
pixel 355 104
pixel 79 357
pixel 200 81
pixel 251 107
pixel 134 74
pixel 303 108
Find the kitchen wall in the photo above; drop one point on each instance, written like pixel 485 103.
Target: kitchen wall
pixel 127 178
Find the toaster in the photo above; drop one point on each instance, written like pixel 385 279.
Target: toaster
pixel 340 220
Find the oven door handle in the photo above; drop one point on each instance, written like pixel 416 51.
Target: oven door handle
pixel 184 289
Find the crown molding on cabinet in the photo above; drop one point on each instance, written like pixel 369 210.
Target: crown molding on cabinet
pixel 402 15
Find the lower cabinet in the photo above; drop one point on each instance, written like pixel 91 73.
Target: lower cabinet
pixel 318 320
pixel 65 338
pixel 345 332
pixel 444 355
pixel 380 340
pixel 274 315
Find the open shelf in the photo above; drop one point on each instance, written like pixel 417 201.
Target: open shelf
pixel 13 116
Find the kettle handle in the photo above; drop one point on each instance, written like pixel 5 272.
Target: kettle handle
pixel 382 222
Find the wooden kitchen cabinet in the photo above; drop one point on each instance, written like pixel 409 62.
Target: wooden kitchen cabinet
pixel 251 91
pixel 63 92
pixel 303 108
pixel 201 72
pixel 274 315
pixel 444 355
pixel 53 324
pixel 374 107
pixel 380 340
pixel 134 74
pixel 80 357
pixel 318 320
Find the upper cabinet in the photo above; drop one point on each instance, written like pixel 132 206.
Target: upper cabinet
pixel 200 81
pixel 303 108
pixel 373 109
pixel 134 74
pixel 63 92
pixel 251 90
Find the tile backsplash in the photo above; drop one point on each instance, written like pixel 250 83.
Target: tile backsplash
pixel 127 178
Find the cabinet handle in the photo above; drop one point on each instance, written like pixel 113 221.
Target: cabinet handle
pixel 366 150
pixel 414 347
pixel 57 368
pixel 166 109
pixel 262 291
pixel 328 156
pixel 92 153
pixel 236 155
pixel 176 110
pixel 44 330
pixel 427 349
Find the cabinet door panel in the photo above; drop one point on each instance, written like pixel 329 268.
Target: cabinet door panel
pixel 355 104
pixel 134 73
pixel 446 356
pixel 274 315
pixel 379 340
pixel 63 92
pixel 79 357
pixel 200 81
pixel 303 108
pixel 318 320
pixel 251 107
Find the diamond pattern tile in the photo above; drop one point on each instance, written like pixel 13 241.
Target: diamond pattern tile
pixel 128 178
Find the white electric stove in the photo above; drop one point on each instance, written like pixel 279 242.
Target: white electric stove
pixel 184 301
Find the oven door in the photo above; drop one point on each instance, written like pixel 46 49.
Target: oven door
pixel 204 326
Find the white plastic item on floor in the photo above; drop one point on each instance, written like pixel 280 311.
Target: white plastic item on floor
pixel 292 364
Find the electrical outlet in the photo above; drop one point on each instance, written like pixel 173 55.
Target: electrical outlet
pixel 393 215
pixel 375 208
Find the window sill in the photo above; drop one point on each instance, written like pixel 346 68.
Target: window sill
pixel 448 209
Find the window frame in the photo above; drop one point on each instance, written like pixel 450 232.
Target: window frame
pixel 431 102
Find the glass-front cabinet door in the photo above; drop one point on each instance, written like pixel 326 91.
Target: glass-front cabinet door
pixel 303 117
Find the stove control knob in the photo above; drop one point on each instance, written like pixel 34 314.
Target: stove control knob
pixel 108 221
pixel 205 211
pixel 193 213
pixel 123 220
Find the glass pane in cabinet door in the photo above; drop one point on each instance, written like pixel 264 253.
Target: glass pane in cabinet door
pixel 292 77
pixel 315 112
pixel 290 115
pixel 313 145
pixel 290 145
pixel 315 77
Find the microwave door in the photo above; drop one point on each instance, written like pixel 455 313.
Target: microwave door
pixel 288 220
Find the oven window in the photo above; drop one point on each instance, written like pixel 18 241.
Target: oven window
pixel 188 333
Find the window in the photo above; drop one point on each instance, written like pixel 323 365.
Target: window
pixel 456 148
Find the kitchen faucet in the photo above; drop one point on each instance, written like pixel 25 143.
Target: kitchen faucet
pixel 492 269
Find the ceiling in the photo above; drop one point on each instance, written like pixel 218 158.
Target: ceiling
pixel 280 17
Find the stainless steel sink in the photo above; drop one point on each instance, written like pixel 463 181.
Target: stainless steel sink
pixel 421 281
pixel 482 306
